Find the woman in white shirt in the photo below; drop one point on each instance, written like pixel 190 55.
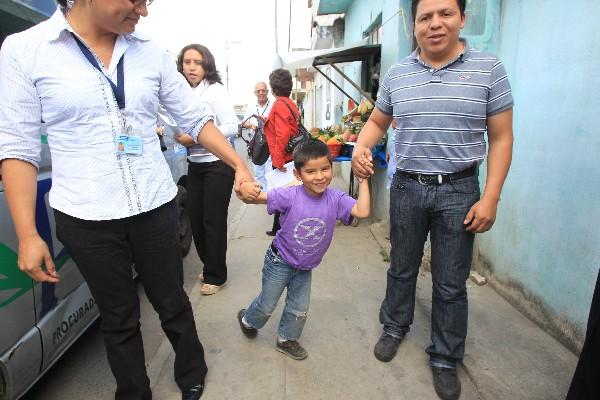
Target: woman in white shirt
pixel 97 84
pixel 210 180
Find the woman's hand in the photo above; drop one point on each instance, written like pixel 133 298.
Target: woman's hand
pixel 241 175
pixel 249 190
pixel 33 253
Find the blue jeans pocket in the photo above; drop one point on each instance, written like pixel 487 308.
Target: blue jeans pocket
pixel 399 181
pixel 466 186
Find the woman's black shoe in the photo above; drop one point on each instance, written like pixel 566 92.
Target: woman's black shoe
pixel 193 393
pixel 271 233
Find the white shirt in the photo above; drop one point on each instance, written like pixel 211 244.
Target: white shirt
pixel 255 108
pixel 45 76
pixel 217 98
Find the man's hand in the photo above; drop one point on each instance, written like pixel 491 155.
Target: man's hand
pixel 185 140
pixel 33 253
pixel 362 162
pixel 481 216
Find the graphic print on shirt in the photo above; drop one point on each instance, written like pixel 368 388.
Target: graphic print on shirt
pixel 309 233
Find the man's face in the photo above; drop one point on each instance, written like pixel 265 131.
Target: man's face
pixel 437 28
pixel 261 92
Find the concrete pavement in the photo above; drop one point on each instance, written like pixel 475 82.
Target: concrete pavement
pixel 508 357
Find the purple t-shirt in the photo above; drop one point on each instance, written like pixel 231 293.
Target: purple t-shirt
pixel 307 222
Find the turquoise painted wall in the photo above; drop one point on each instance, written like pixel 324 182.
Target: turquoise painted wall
pixel 546 235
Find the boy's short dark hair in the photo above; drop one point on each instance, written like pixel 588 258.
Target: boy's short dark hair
pixel 462 5
pixel 310 149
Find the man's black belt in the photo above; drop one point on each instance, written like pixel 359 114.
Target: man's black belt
pixel 438 179
pixel 274 249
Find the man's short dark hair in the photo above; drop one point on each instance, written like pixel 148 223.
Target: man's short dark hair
pixel 281 82
pixel 462 5
pixel 310 149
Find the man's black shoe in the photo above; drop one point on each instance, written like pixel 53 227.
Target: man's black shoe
pixel 271 233
pixel 249 332
pixel 446 383
pixel 386 348
pixel 193 393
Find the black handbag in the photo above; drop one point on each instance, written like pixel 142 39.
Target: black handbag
pixel 257 147
pixel 300 137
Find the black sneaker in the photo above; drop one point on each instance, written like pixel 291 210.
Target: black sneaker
pixel 293 349
pixel 386 347
pixel 249 332
pixel 193 393
pixel 446 383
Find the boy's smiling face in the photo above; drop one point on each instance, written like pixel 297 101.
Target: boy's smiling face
pixel 316 175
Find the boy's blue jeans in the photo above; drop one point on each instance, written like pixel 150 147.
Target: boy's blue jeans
pixel 416 210
pixel 278 275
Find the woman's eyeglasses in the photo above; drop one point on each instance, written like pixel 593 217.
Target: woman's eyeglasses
pixel 137 3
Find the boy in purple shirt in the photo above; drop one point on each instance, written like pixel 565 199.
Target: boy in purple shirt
pixel 308 216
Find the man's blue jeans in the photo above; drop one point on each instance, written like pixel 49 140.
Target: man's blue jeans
pixel 416 210
pixel 278 275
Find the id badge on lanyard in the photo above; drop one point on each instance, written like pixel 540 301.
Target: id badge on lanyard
pixel 128 141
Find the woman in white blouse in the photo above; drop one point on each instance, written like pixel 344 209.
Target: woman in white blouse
pixel 97 84
pixel 210 180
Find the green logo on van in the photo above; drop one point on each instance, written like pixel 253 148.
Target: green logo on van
pixel 14 279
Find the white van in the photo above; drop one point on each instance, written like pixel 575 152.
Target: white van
pixel 39 321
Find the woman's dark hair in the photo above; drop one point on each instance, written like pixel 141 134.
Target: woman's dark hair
pixel 310 149
pixel 62 3
pixel 208 62
pixel 281 83
pixel 462 4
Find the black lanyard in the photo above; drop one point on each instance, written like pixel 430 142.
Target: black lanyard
pixel 119 89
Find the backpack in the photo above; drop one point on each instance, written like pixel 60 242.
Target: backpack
pixel 256 145
pixel 300 137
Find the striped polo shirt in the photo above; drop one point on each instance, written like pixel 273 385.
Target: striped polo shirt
pixel 441 114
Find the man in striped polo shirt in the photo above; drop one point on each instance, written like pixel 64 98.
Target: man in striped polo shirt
pixel 444 97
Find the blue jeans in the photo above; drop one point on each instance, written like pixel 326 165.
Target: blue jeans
pixel 415 211
pixel 278 275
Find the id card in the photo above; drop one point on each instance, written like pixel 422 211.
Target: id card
pixel 129 144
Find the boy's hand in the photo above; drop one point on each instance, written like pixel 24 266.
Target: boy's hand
pixel 249 191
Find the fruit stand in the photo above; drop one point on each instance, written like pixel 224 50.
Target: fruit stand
pixel 341 138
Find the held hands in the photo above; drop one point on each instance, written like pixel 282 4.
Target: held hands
pixel 362 162
pixel 249 191
pixel 481 216
pixel 33 253
pixel 242 175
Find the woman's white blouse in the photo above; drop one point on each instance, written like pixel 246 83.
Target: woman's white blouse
pixel 217 98
pixel 44 76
